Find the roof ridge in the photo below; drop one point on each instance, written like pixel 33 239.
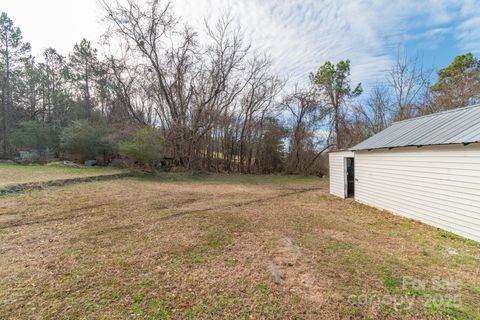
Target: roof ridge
pixel 440 112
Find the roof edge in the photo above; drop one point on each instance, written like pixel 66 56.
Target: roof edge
pixel 440 112
pixel 418 146
pixel 343 150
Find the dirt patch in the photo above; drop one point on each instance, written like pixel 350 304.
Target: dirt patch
pixel 291 272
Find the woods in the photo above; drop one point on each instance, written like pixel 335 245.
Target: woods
pixel 200 99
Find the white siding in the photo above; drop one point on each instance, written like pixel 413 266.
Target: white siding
pixel 337 172
pixel 438 185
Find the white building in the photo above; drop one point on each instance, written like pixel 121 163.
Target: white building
pixel 425 168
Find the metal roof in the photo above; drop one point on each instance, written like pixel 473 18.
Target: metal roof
pixel 448 127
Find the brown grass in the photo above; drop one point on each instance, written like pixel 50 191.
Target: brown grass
pixel 11 174
pixel 214 249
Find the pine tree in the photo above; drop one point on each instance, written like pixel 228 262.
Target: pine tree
pixel 84 68
pixel 13 54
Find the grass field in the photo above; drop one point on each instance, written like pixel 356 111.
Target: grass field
pixel 225 247
pixel 11 174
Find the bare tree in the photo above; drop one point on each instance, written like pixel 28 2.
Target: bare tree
pixel 376 111
pixel 408 80
pixel 198 89
pixel 303 106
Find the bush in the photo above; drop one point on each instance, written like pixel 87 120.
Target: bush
pixel 83 140
pixel 145 148
pixel 32 135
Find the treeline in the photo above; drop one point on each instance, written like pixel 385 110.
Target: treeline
pixel 164 94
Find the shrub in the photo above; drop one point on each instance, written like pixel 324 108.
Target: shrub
pixel 145 148
pixel 32 135
pixel 83 140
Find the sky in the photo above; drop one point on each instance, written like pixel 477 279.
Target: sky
pixel 299 35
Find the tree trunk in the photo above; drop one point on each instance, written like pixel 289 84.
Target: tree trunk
pixel 337 129
pixel 5 100
pixel 4 125
pixel 87 92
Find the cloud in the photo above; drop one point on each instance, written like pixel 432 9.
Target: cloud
pixel 468 29
pixel 300 35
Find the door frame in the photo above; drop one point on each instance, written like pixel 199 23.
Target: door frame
pixel 345 175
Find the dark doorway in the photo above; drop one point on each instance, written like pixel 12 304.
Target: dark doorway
pixel 350 177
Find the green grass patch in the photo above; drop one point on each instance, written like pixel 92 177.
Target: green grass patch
pixel 159 310
pixel 6 191
pixel 390 282
pixel 137 297
pixel 231 178
pixel 449 235
pixel 115 296
pixel 204 251
pixel 138 310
